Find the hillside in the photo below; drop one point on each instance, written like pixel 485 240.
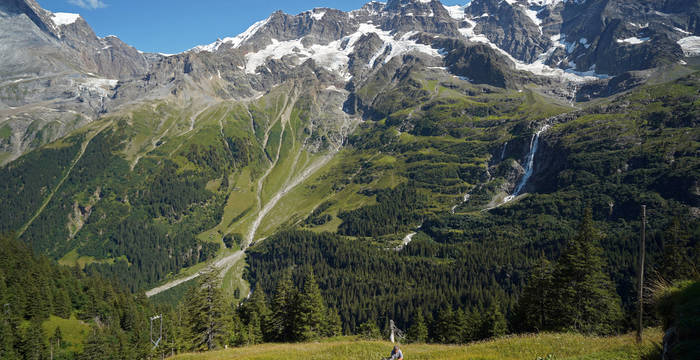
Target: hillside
pixel 525 347
pixel 420 163
pixel 52 311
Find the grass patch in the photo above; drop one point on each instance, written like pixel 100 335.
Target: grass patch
pixel 233 280
pixel 525 347
pixel 5 132
pixel 74 331
pixel 72 258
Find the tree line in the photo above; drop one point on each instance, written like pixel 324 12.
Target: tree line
pixel 207 320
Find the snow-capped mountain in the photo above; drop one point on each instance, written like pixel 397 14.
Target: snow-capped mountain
pixel 55 61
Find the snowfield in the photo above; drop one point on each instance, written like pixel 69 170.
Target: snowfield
pixel 633 40
pixel 61 18
pixel 335 55
pixel 690 45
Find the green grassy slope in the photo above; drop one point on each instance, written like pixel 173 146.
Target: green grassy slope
pixel 613 156
pixel 150 192
pixel 525 347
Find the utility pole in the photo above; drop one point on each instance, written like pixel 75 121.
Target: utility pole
pixel 156 340
pixel 642 246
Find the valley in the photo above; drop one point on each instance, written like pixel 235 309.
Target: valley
pixel 434 167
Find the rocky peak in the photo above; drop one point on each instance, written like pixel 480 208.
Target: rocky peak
pixel 40 17
pixel 416 7
pixel 513 27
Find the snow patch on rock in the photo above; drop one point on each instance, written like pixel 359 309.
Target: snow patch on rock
pixel 532 14
pixel 61 18
pixel 236 41
pixel 457 12
pixel 335 55
pixel 690 45
pixel 632 40
pixel 544 2
pixel 318 13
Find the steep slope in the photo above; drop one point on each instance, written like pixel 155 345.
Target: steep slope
pixel 56 76
pixel 444 167
pixel 167 156
pixel 60 76
pixel 39 297
pixel 182 186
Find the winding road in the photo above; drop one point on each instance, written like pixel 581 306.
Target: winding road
pixel 223 263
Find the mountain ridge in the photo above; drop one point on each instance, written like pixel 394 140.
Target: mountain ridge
pixel 226 68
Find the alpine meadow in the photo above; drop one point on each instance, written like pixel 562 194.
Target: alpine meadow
pixel 513 179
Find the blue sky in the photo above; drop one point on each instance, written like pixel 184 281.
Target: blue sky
pixel 172 26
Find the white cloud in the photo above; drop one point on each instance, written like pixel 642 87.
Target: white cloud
pixel 88 4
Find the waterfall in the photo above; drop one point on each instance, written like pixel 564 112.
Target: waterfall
pixel 503 152
pixel 529 163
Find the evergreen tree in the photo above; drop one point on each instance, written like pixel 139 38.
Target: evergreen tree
pixel 57 338
pixel 446 329
pixel 369 331
pixel 585 298
pixel 238 332
pixel 282 313
pixel 255 334
pixel 494 323
pixel 256 314
pixel 418 332
pixel 460 327
pixel 311 309
pixel 34 346
pixel 175 331
pixel 676 264
pixel 332 325
pixel 534 311
pixel 62 304
pixel 472 326
pixel 204 306
pixel 7 340
pixel 95 346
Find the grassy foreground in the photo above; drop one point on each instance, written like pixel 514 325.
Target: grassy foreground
pixel 530 347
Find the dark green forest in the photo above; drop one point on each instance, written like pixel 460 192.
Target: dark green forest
pixel 33 288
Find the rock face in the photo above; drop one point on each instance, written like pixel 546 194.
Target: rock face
pixel 56 75
pixel 616 36
pixel 512 27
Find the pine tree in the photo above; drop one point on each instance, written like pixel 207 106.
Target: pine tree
pixel 282 312
pixel 7 340
pixel 418 332
pixel 256 314
pixel 444 329
pixel 459 327
pixel 494 323
pixel 675 262
pixel 34 346
pixel 369 331
pixel 311 309
pixel 255 334
pixel 95 345
pixel 204 306
pixel 62 304
pixel 237 332
pixel 535 305
pixel 57 337
pixel 332 325
pixel 585 298
pixel 472 326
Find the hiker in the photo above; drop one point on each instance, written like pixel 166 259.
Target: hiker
pixel 396 354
